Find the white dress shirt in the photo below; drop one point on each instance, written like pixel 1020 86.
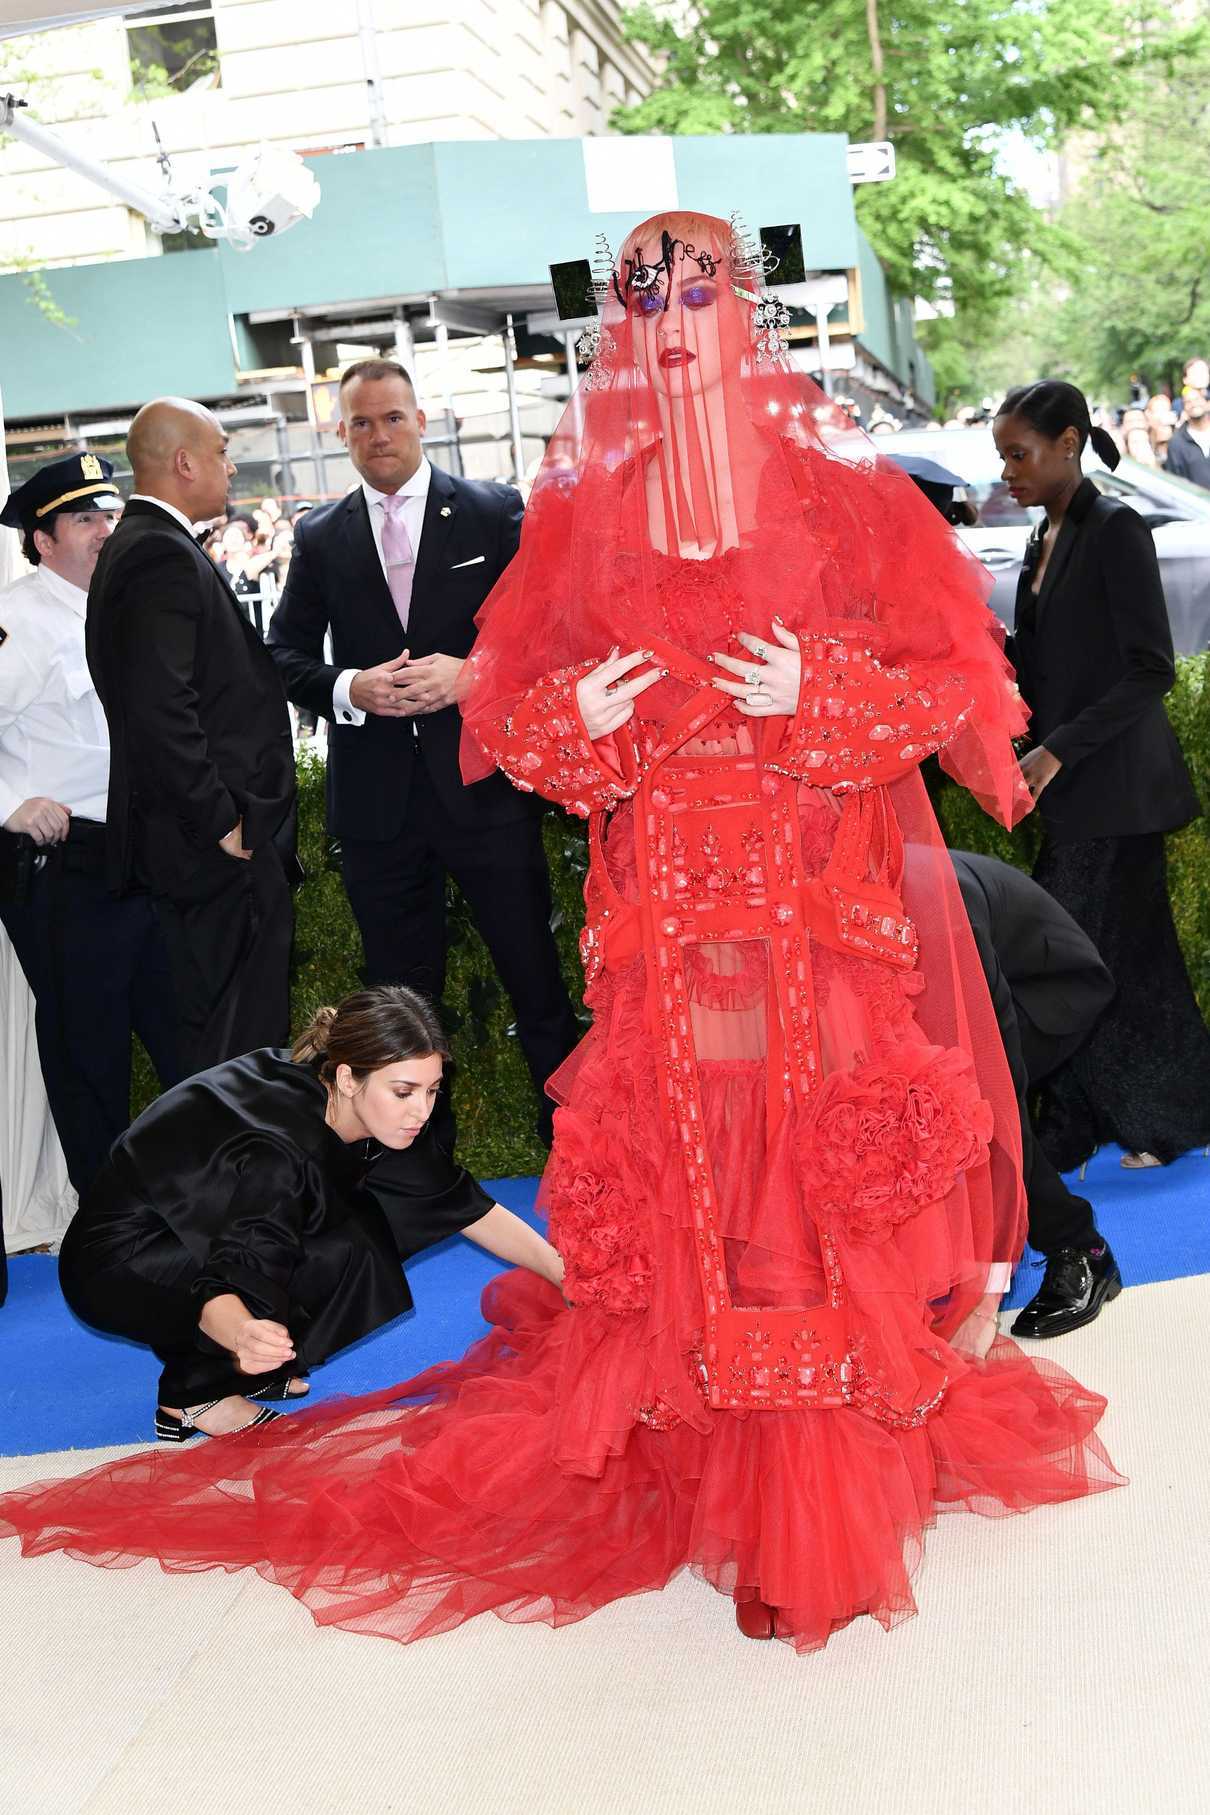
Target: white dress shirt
pixel 415 493
pixel 53 737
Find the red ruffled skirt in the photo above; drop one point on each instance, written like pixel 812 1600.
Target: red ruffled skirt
pixel 571 1457
pixel 388 1518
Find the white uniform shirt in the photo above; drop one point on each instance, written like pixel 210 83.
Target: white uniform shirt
pixel 415 494
pixel 53 736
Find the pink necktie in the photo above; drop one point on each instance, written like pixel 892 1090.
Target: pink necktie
pixel 398 555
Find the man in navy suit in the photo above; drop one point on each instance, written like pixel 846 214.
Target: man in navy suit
pixel 395 572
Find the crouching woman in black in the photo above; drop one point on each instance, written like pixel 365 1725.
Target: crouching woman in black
pixel 230 1229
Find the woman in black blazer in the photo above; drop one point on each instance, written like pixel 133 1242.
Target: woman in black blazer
pixel 1093 654
pixel 229 1229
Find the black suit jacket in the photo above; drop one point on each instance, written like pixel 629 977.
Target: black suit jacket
pixel 198 724
pixel 1093 655
pixel 335 582
pixel 1032 947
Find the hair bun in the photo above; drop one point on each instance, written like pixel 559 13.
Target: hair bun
pixel 313 1041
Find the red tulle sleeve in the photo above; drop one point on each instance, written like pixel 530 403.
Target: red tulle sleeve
pixel 543 746
pixel 892 564
pixel 861 724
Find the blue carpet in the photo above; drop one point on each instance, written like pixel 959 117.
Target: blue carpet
pixel 62 1386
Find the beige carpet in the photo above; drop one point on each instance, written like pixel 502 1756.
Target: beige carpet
pixel 1059 1665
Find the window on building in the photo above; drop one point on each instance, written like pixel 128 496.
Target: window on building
pixel 173 50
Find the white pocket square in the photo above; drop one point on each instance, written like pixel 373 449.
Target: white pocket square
pixel 473 562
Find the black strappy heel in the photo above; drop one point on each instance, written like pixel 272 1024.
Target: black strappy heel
pixel 278 1386
pixel 170 1429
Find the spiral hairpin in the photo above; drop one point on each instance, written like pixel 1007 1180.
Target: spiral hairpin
pixel 742 254
pixel 602 270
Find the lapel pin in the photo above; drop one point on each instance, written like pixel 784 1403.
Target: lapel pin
pixel 445 510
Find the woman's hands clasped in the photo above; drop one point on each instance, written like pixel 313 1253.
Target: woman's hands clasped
pixel 606 695
pixel 768 685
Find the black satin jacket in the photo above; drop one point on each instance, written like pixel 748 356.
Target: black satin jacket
pixel 1093 654
pixel 241 1166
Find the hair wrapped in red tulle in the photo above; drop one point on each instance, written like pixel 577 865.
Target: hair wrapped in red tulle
pixel 786 1173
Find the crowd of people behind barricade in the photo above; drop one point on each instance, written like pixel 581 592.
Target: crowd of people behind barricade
pixel 251 547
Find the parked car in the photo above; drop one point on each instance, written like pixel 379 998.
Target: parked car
pixel 1178 513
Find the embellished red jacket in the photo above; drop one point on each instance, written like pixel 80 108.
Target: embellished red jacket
pixel 859 725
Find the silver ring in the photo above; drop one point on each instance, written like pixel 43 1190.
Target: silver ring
pixel 761 651
pixel 756 696
pixel 753 677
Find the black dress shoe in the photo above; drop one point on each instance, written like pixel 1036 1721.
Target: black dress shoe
pixel 1077 1282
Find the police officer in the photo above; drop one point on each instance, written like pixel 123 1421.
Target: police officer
pixel 96 965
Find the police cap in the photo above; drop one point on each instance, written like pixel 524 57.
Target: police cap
pixel 77 482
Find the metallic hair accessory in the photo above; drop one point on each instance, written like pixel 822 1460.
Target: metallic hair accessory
pixel 593 348
pixel 743 254
pixel 770 319
pixel 596 340
pixel 746 255
pixel 602 269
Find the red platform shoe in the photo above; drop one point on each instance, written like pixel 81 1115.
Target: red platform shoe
pixel 754 1618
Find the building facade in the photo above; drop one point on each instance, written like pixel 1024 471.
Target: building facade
pixel 217 77
pixel 461 147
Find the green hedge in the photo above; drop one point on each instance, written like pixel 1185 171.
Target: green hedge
pixel 493 1096
pixel 492 1092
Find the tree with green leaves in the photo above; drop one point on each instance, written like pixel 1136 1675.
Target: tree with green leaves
pixel 944 80
pixel 1135 226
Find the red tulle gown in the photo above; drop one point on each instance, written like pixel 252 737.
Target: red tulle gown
pixel 785 1179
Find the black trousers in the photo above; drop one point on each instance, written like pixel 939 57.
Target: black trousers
pixel 1143 1078
pixel 1057 1217
pixel 228 931
pixel 98 969
pixel 396 889
pixel 131 1276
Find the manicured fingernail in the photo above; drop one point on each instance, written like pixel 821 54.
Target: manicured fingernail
pixel 663 674
pixel 776 619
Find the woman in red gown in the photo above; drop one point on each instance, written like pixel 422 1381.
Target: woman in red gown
pixel 785 1181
